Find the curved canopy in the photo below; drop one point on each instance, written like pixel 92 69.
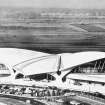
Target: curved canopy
pixel 38 65
pixel 13 56
pixel 84 77
pixel 61 62
pixel 80 58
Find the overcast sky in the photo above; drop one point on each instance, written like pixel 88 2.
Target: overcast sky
pixel 55 3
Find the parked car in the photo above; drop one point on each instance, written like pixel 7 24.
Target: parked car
pixel 70 94
pixel 83 103
pixel 60 100
pixel 73 102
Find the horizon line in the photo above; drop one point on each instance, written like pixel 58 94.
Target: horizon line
pixel 49 7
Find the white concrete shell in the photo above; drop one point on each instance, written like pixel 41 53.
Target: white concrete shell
pixel 76 59
pixel 13 56
pixel 51 63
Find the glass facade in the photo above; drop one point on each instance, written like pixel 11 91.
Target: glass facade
pixel 3 67
pixel 4 70
pixel 86 70
pixel 91 67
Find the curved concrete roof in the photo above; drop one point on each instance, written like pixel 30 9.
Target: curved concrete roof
pixel 38 65
pixel 46 64
pixel 13 56
pixel 79 58
pixel 51 63
pixel 86 77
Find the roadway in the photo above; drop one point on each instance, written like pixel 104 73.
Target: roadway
pixel 77 98
pixel 88 100
pixel 19 100
pixel 10 101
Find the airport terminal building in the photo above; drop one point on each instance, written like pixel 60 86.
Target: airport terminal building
pixel 88 77
pixel 81 73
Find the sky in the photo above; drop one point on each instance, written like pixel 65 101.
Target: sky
pixel 55 3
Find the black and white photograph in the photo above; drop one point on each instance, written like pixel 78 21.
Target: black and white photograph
pixel 52 52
